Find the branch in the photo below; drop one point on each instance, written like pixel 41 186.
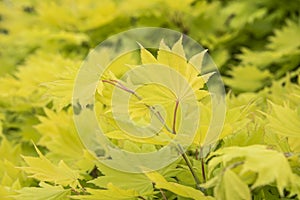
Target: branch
pixel 189 164
pixel 175 116
pixel 163 194
pixel 202 165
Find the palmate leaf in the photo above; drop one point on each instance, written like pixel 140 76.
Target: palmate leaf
pixel 29 39
pixel 284 121
pixel 277 142
pixel 231 187
pixel 284 91
pixel 60 138
pixel 261 59
pixel 149 87
pixel 13 155
pixel 24 90
pixel 176 90
pixel 185 191
pixel 236 119
pixel 247 78
pixel 159 139
pixel 127 181
pixel 112 192
pixel 282 49
pixel 10 176
pixel 152 94
pixel 286 39
pixel 112 131
pixel 12 179
pixel 60 88
pixel 6 192
pixel 270 166
pixel 42 169
pixel 175 58
pixel 245 12
pixel 99 13
pixel 139 182
pixel 45 191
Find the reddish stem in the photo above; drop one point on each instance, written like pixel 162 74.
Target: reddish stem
pixel 121 86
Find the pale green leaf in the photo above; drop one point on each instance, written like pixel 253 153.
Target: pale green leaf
pixel 181 190
pixel 178 48
pixel 60 136
pixel 267 172
pixel 247 78
pixel 42 169
pixel 44 192
pixel 231 187
pixel 137 182
pixel 284 121
pixel 146 56
pixel 286 39
pixel 112 192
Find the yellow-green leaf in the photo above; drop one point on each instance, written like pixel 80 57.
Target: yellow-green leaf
pixel 42 169
pixel 231 187
pixel 181 190
pixel 44 192
pixel 112 192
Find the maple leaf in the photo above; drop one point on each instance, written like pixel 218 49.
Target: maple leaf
pixel 250 161
pixel 45 191
pixel 181 190
pixel 42 169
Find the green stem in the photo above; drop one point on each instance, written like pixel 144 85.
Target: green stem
pixel 190 166
pixel 182 152
pixel 163 194
pixel 202 165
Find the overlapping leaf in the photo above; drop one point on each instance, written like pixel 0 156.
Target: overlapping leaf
pixel 42 169
pixel 250 160
pixel 181 190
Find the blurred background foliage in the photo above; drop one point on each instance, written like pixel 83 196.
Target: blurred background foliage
pixel 255 44
pixel 240 35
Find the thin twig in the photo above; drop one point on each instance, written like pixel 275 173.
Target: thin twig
pixel 202 165
pixel 234 165
pixel 181 150
pixel 196 154
pixel 163 194
pixel 117 84
pixel 189 164
pixel 175 116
